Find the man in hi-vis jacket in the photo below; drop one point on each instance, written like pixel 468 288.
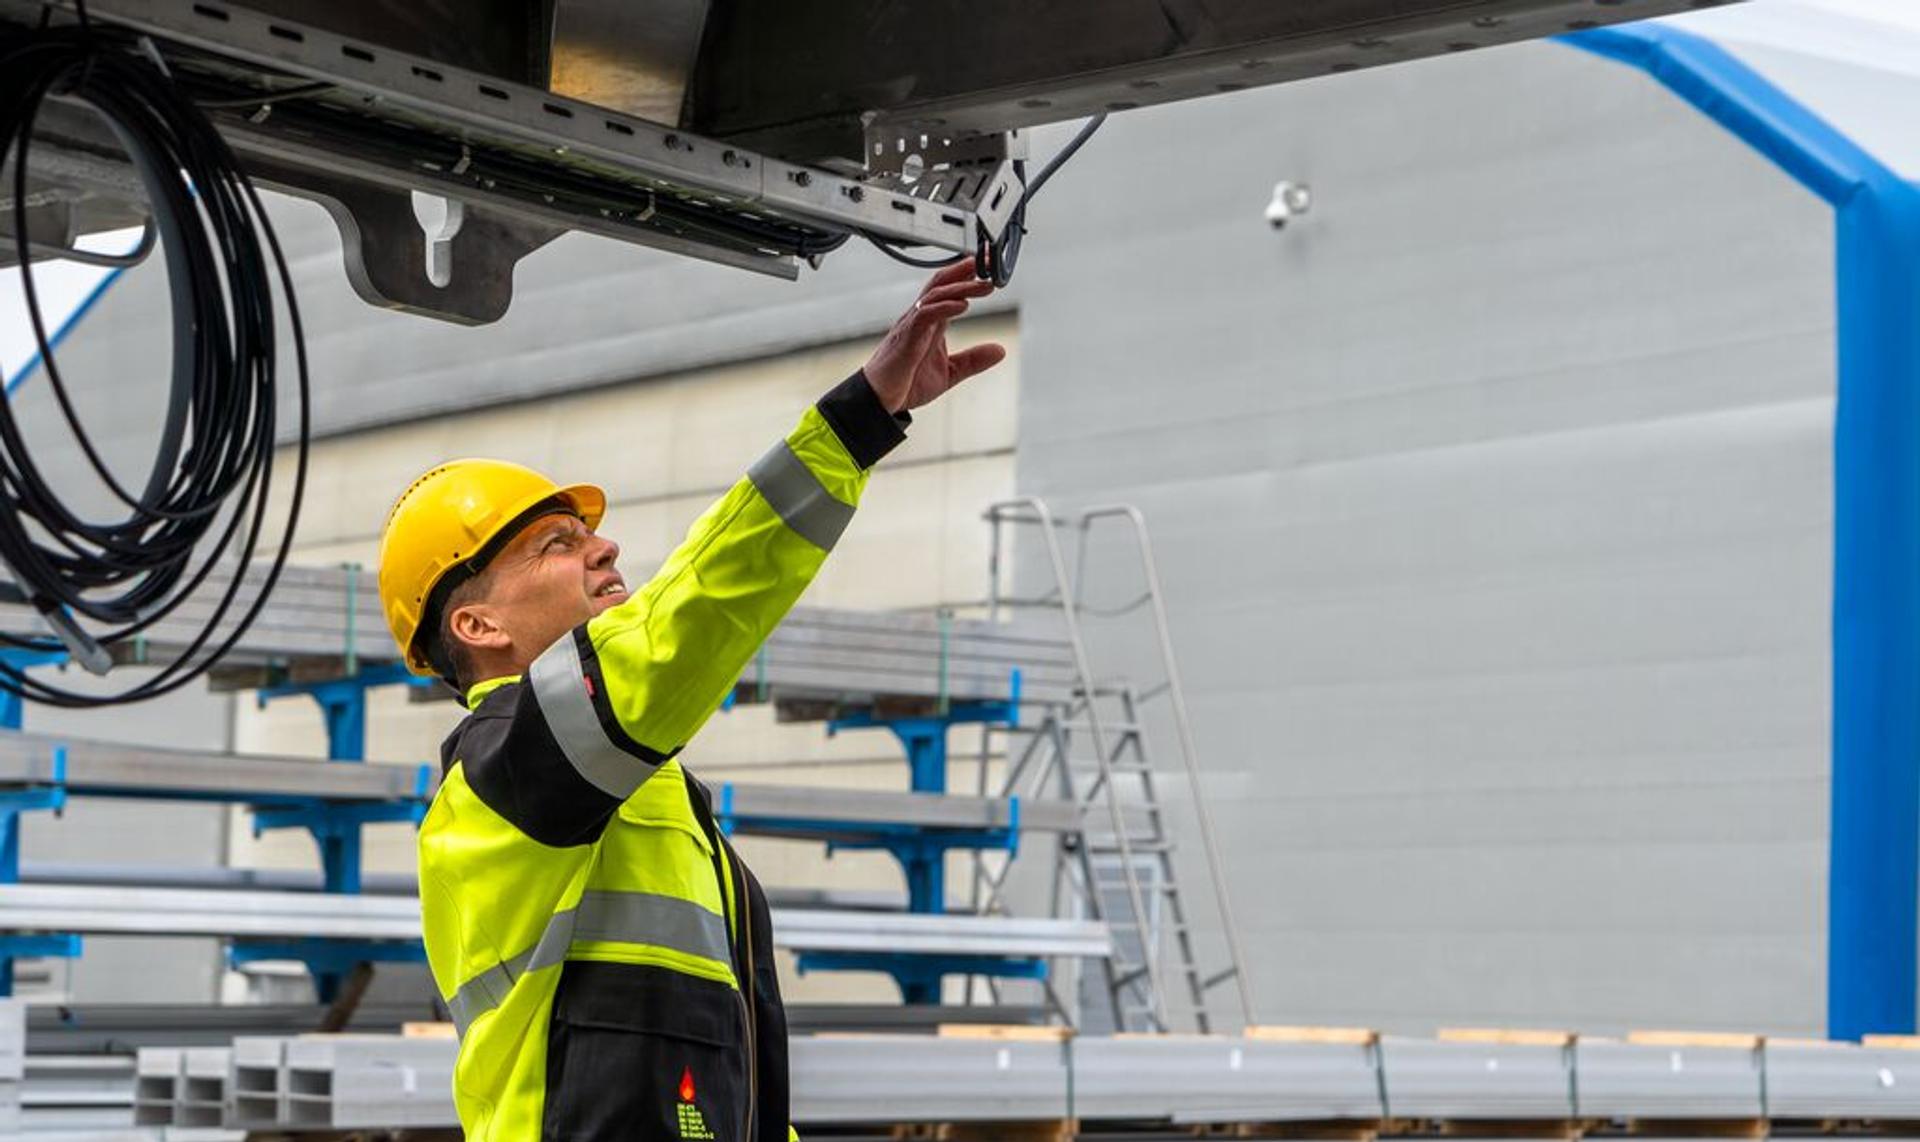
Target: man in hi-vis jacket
pixel 606 956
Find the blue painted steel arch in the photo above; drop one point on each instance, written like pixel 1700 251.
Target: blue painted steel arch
pixel 1874 870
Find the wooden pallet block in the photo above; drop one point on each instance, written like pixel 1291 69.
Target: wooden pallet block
pixel 1357 1036
pixel 1700 1127
pixel 1566 1128
pixel 1006 1032
pixel 1319 1130
pixel 1509 1036
pixel 1695 1039
pixel 1050 1130
pixel 1892 1042
pixel 428 1031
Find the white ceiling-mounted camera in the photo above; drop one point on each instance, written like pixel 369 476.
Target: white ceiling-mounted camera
pixel 1290 201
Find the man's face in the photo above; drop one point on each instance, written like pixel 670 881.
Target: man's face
pixel 553 576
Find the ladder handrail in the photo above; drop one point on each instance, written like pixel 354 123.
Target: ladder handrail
pixel 1177 698
pixel 1082 665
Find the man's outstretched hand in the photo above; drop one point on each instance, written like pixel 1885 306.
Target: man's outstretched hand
pixel 912 366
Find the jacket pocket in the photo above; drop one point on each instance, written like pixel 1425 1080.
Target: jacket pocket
pixel 641 1052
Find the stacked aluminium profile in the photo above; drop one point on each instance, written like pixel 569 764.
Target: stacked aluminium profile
pixel 1275 1077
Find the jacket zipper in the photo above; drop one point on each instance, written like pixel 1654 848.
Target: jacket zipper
pixel 740 902
pixel 739 933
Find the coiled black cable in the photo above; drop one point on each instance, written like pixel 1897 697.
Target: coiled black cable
pixel 204 503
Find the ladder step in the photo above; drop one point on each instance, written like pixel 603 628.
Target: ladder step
pixel 1218 978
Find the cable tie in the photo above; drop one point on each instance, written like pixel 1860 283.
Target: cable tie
pixel 152 51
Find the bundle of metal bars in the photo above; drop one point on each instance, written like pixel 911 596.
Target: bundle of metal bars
pixel 325 622
pixel 1349 1084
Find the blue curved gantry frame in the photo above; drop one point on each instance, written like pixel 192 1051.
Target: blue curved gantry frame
pixel 1874 870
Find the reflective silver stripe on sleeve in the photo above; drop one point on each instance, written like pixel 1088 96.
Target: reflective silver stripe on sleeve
pixel 797 495
pixel 646 918
pixel 560 687
pixel 617 917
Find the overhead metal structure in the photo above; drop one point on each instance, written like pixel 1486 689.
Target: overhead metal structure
pixel 756 133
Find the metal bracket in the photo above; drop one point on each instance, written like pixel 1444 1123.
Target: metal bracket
pixel 974 172
pixel 463 273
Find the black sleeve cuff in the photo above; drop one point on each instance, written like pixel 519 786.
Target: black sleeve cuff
pixel 861 422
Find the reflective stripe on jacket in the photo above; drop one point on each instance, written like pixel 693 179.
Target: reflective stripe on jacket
pixel 606 956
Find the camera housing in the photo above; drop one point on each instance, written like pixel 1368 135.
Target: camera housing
pixel 1290 200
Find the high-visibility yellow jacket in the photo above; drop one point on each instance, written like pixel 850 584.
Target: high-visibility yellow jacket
pixel 605 954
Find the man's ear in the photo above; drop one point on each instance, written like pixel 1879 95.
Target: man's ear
pixel 476 625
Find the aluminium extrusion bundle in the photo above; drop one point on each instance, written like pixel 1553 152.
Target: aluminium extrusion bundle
pixel 106 910
pixel 1269 1076
pixel 330 616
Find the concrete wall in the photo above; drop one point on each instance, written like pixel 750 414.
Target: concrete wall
pixel 1493 503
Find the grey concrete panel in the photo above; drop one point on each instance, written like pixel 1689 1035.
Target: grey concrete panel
pixel 1493 502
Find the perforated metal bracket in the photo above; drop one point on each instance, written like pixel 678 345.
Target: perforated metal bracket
pixel 974 172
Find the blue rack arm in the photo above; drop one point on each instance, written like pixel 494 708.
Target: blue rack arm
pixel 919 976
pixel 337 828
pixel 14 803
pixel 924 737
pixel 328 957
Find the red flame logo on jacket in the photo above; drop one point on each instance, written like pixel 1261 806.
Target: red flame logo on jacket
pixel 686 1085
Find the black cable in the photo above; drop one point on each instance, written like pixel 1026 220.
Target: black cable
pixel 995 261
pixel 103 576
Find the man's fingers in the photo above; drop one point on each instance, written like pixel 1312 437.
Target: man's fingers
pixel 931 313
pixel 974 361
pixel 967 289
pixel 960 271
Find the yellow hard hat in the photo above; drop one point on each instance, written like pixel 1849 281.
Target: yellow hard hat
pixel 454 518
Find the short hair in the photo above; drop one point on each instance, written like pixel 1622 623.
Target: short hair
pixel 451 658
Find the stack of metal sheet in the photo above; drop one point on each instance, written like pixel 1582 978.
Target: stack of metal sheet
pixel 1472 1076
pixel 1344 1083
pixel 65 1096
pixel 103 910
pixel 321 620
pixel 343 1082
pixel 1271 1075
pixel 13 1064
pixel 1878 1082
pixel 106 769
pixel 1671 1077
pixel 875 1079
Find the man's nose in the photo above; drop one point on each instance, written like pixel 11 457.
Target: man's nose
pixel 603 552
